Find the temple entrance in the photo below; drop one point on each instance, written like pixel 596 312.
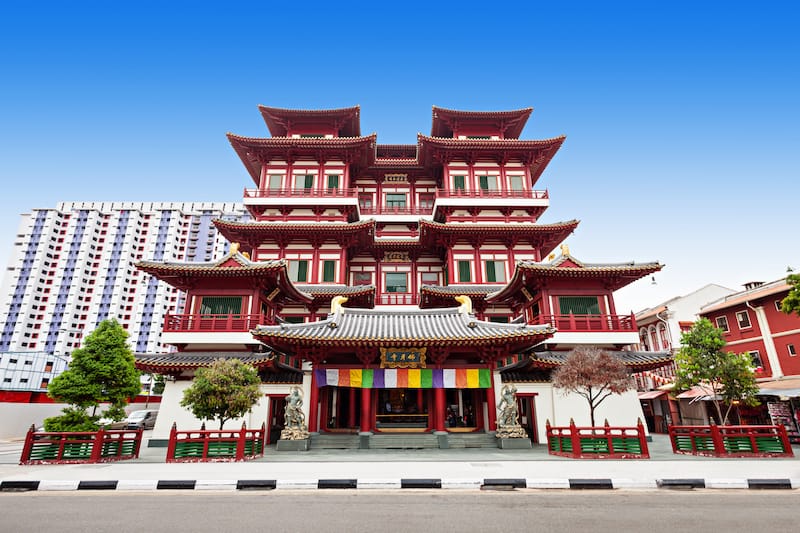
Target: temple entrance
pixel 341 409
pixel 464 409
pixel 276 420
pixel 402 410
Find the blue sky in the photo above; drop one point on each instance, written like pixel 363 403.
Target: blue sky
pixel 681 119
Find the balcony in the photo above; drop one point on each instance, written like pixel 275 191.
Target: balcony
pixel 300 193
pixel 494 193
pixel 589 323
pixel 395 210
pixel 211 323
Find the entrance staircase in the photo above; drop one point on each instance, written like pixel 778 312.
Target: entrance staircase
pixel 403 441
pixel 472 440
pixel 333 441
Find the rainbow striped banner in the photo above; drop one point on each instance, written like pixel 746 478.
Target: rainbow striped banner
pixel 402 378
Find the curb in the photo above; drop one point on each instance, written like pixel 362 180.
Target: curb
pixel 393 484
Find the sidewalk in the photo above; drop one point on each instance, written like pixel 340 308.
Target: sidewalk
pixel 389 469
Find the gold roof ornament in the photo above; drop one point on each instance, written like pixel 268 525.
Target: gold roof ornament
pixel 564 249
pixel 234 248
pixel 466 304
pixel 336 304
pixel 246 255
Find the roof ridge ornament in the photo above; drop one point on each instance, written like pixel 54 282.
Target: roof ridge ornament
pixel 336 304
pixel 466 304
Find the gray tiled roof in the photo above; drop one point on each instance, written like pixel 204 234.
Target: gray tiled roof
pixel 198 359
pixel 456 290
pixel 335 290
pixel 406 326
pixel 630 358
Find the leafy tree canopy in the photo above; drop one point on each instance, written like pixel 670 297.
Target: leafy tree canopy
pixel 225 390
pixel 791 304
pixel 727 377
pixel 594 374
pixel 101 371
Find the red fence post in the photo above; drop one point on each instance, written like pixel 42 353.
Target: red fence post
pixel 28 447
pixel 673 437
pixel 173 437
pixel 716 438
pixel 97 446
pixel 643 439
pixel 263 439
pixel 137 443
pixel 574 438
pixel 787 447
pixel 240 442
pixel 609 441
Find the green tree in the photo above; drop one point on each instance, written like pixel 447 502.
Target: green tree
pixel 726 377
pixel 101 371
pixel 791 304
pixel 225 390
pixel 594 374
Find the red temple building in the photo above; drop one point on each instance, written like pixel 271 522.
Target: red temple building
pixel 399 285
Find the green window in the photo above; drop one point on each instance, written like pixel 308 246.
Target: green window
pixel 499 319
pixel 579 305
pixel 396 282
pixel 458 182
pixel 329 271
pixel 298 270
pixel 395 199
pixel 304 182
pixel 488 183
pixel 495 271
pixel 333 181
pixel 275 181
pixel 221 305
pixel 464 274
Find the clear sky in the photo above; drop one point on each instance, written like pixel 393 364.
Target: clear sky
pixel 682 118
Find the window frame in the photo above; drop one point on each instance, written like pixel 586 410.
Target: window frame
pixel 386 285
pixel 464 266
pixel 561 301
pixel 746 315
pixel 495 264
pixel 459 182
pixel 294 271
pixel 755 355
pixel 790 349
pixel 392 202
pixel 328 270
pixel 328 179
pixel 724 319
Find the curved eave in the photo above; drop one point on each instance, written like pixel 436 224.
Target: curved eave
pixel 276 118
pixel 249 231
pixel 177 362
pixel 634 361
pixel 289 340
pixel 254 151
pixel 514 120
pixel 544 236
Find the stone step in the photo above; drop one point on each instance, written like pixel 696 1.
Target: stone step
pixel 327 441
pixel 403 441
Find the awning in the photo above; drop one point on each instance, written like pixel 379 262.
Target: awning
pixel 695 392
pixel 651 394
pixel 780 387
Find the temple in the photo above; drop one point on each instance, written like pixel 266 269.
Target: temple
pixel 400 286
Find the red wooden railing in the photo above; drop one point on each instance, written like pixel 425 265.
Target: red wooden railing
pixel 493 193
pixel 394 210
pixel 199 323
pixel 589 322
pixel 301 193
pixel 62 447
pixel 601 442
pixel 398 298
pixel 215 445
pixel 731 441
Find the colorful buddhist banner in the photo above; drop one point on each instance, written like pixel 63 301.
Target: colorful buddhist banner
pixel 401 378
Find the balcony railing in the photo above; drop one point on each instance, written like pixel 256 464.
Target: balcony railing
pixel 202 323
pixel 574 323
pixel 398 298
pixel 394 210
pixel 493 193
pixel 301 193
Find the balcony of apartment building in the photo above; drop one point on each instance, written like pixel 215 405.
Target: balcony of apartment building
pixel 210 329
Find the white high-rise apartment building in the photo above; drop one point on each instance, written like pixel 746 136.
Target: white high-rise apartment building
pixel 73 266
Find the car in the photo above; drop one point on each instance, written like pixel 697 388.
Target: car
pixel 144 419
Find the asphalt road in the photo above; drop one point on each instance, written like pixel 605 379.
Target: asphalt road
pixel 406 511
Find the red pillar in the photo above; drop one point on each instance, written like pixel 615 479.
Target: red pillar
pixel 491 409
pixel 312 405
pixel 366 397
pixel 351 414
pixel 438 409
pixel 419 400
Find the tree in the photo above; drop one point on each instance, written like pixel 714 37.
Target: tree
pixel 227 389
pixel 594 374
pixel 726 377
pixel 791 304
pixel 101 371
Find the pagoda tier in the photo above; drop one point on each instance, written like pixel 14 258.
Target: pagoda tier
pixel 234 271
pixel 344 122
pixel 530 278
pixel 357 296
pixel 433 296
pixel 535 155
pixel 363 332
pixel 536 365
pixel 174 364
pixel 543 237
pixel 256 152
pixel 451 123
pixel 254 233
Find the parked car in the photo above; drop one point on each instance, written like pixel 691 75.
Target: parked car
pixel 144 419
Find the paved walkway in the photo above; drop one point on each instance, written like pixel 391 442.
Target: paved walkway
pixel 388 469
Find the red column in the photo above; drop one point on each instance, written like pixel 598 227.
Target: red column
pixel 351 415
pixel 312 405
pixel 491 409
pixel 419 400
pixel 366 397
pixel 438 409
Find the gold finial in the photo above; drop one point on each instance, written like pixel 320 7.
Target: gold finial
pixel 336 304
pixel 246 255
pixel 234 247
pixel 466 304
pixel 564 249
pixel 551 257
